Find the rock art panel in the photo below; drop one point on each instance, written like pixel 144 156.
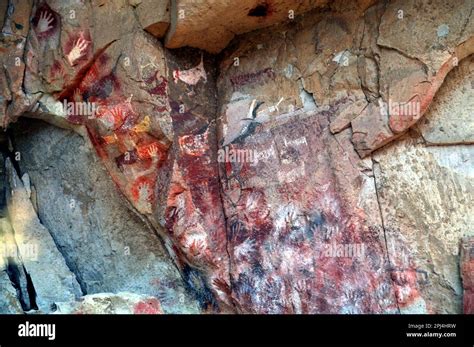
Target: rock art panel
pixel 106 244
pixel 288 223
pixel 192 209
pixel 295 238
pixel 255 167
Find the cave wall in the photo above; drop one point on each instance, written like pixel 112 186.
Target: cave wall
pixel 108 246
pixel 283 175
pixel 307 191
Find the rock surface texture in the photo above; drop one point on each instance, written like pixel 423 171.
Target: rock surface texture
pixel 322 162
pixel 467 273
pixel 110 303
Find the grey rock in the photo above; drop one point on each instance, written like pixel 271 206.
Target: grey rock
pixel 13 266
pixel 107 245
pixel 154 16
pixel 52 279
pixel 9 302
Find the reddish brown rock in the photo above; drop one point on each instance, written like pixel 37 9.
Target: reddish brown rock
pixel 296 243
pixel 296 239
pixel 414 61
pixel 467 274
pixel 210 25
pixel 149 128
pixel 449 118
pixel 351 111
pixel 256 184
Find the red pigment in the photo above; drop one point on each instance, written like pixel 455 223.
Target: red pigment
pixel 45 10
pixel 151 306
pixel 250 78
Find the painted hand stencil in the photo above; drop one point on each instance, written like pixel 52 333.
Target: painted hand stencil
pixel 77 50
pixel 152 152
pixel 128 137
pixel 144 197
pixel 44 23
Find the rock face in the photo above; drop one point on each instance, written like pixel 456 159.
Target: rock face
pixel 311 193
pixel 110 303
pixel 412 181
pixel 410 74
pixel 449 120
pixel 426 199
pixel 13 100
pixel 467 272
pixel 212 24
pixel 253 181
pixel 153 15
pixel 9 301
pixel 107 245
pixel 43 263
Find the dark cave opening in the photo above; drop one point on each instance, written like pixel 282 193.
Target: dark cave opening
pixel 259 11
